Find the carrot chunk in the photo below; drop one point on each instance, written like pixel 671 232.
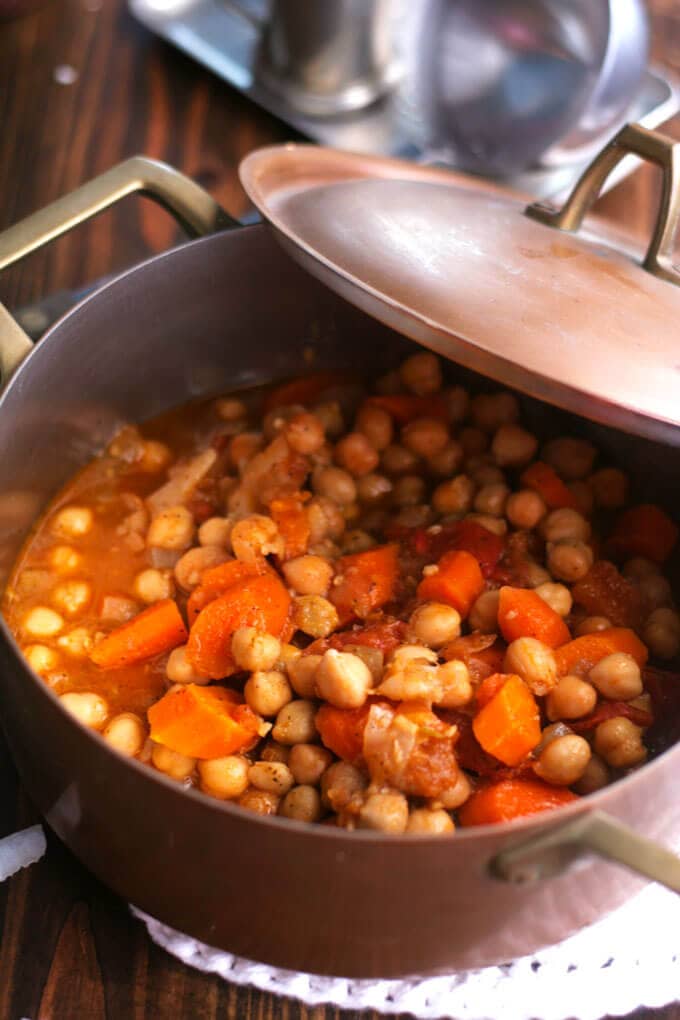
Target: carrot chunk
pixel 644 530
pixel 405 407
pixel 203 722
pixel 290 517
pixel 547 483
pixel 523 613
pixel 261 602
pixel 160 628
pixel 458 581
pixel 365 581
pixel 512 798
pixel 217 580
pixel 303 390
pixel 580 655
pixel 508 726
pixel 342 730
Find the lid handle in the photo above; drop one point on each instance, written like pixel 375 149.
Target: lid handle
pixel 651 146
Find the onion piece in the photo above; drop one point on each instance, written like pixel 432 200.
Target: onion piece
pixel 21 849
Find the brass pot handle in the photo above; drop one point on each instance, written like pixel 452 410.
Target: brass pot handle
pixel 651 146
pixel 593 832
pixel 196 211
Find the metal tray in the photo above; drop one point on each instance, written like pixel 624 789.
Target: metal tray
pixel 224 36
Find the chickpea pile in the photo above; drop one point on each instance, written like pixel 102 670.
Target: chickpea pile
pixel 145 522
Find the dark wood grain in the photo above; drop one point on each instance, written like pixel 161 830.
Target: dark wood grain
pixel 68 947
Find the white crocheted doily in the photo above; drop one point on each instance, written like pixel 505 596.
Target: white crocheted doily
pixel 629 959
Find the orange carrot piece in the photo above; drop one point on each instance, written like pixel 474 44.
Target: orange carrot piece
pixel 512 798
pixel 303 390
pixel 342 730
pixel 365 581
pixel 203 722
pixel 489 688
pixel 458 581
pixel 644 530
pixel 523 613
pixel 547 483
pixel 291 518
pixel 405 407
pixel 261 602
pixel 580 655
pixel 160 628
pixel 509 725
pixel 217 580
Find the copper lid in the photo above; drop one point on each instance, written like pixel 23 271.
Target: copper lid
pixel 510 291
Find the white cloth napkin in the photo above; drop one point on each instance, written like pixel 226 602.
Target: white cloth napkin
pixel 629 959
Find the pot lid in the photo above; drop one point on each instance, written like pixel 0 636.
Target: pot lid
pixel 512 291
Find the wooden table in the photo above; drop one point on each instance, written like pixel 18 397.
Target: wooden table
pixel 81 87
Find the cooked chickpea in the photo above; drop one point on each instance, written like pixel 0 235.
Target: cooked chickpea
pixel 421 374
pixel 453 679
pixel 595 776
pixel 259 801
pixel 40 658
pixel 571 698
pixel 171 529
pixel 89 709
pixel 72 596
pixel 304 433
pixel 447 461
pixel 525 509
pixel 373 488
pixel 557 596
pixel 224 778
pixel 617 677
pixel 190 566
pixel 491 410
pixel 429 822
pixel 655 591
pixel 571 458
pixel 254 650
pixel 343 679
pixel 267 691
pixel 231 409
pixel 592 624
pixel 73 522
pixel 457 403
pixel 126 733
pixel 180 670
pixel 243 448
pixel 308 575
pixel 325 520
pixel 565 524
pixel 302 674
pixel 329 414
pixel 216 531
pixel 484 613
pixel 564 760
pixel 409 490
pixel 413 653
pixel 173 764
pixel 356 454
pixel 302 804
pixel 271 777
pixel 610 488
pixel 435 623
pixel 356 541
pixel 64 559
pixel 385 812
pixel 484 474
pixel 340 784
pixel 534 661
pixel 455 496
pixel 78 642
pixel 335 484
pixel 455 795
pixel 662 633
pixel 254 537
pixel 308 762
pixel 155 456
pixel 315 615
pixel 569 559
pixel 496 525
pixel 295 723
pixel 274 752
pixel 535 574
pixel 513 446
pixel 619 742
pixel 425 436
pixel 376 425
pixel 397 460
pixel 491 499
pixel 42 622
pixel 152 585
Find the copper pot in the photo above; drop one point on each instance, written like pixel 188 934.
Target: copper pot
pixel 192 322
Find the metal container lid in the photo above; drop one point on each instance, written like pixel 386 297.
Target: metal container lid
pixel 508 290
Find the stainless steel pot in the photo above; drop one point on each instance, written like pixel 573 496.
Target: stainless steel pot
pixel 189 323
